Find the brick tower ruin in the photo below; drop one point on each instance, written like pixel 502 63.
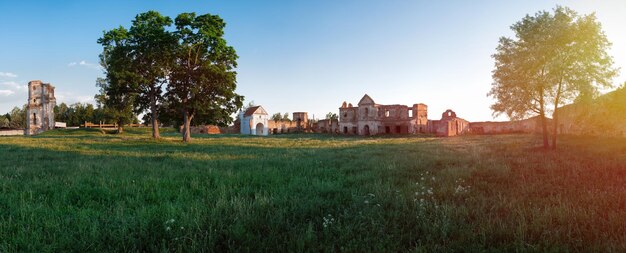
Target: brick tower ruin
pixel 40 108
pixel 302 121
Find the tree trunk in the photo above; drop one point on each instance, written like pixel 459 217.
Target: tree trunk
pixel 554 128
pixel 544 130
pixel 120 127
pixel 544 123
pixel 186 126
pixel 555 121
pixel 155 121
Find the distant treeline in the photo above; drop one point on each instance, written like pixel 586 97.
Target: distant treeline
pixel 78 113
pixel 74 115
pixel 15 119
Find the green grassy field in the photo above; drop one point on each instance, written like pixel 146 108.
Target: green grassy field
pixel 88 191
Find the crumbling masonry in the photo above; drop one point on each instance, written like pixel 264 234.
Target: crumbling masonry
pixel 369 118
pixel 40 107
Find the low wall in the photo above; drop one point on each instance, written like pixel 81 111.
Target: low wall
pixel 203 129
pixel 11 132
pixel 531 125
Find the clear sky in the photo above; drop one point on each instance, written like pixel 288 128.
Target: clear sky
pixel 298 55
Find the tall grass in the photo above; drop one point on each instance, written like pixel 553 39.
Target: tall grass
pixel 88 190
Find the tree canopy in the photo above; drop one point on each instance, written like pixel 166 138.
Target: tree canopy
pixel 191 62
pixel 554 58
pixel 138 60
pixel 202 79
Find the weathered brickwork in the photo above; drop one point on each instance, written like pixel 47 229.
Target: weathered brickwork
pixel 40 107
pixel 369 118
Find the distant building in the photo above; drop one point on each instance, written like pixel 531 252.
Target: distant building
pixel 40 107
pixel 326 126
pixel 369 118
pixel 448 125
pixel 254 121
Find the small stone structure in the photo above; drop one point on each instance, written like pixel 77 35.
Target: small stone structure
pixel 449 125
pixel 284 126
pixel 254 121
pixel 40 107
pixel 326 126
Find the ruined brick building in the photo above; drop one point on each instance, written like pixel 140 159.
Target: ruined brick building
pixel 299 123
pixel 40 107
pixel 369 118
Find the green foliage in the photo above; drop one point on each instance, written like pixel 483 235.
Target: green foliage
pixel 332 116
pixel 277 116
pixel 17 118
pixel 193 64
pixel 79 113
pixel 139 59
pixel 114 102
pixel 281 117
pixel 202 80
pixel 4 121
pixel 83 190
pixel 553 58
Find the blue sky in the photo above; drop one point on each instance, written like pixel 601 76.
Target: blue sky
pixel 297 55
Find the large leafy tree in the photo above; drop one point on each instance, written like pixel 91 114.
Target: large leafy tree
pixel 114 103
pixel 119 91
pixel 554 58
pixel 146 51
pixel 202 81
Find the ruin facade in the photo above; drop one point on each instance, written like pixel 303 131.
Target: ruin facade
pixel 370 118
pixel 367 118
pixel 300 123
pixel 40 107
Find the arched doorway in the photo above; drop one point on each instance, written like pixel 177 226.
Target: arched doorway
pixel 259 129
pixel 366 130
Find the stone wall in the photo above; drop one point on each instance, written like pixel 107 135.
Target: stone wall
pixel 605 116
pixel 531 125
pixel 283 126
pixel 203 129
pixel 326 126
pixel 12 132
